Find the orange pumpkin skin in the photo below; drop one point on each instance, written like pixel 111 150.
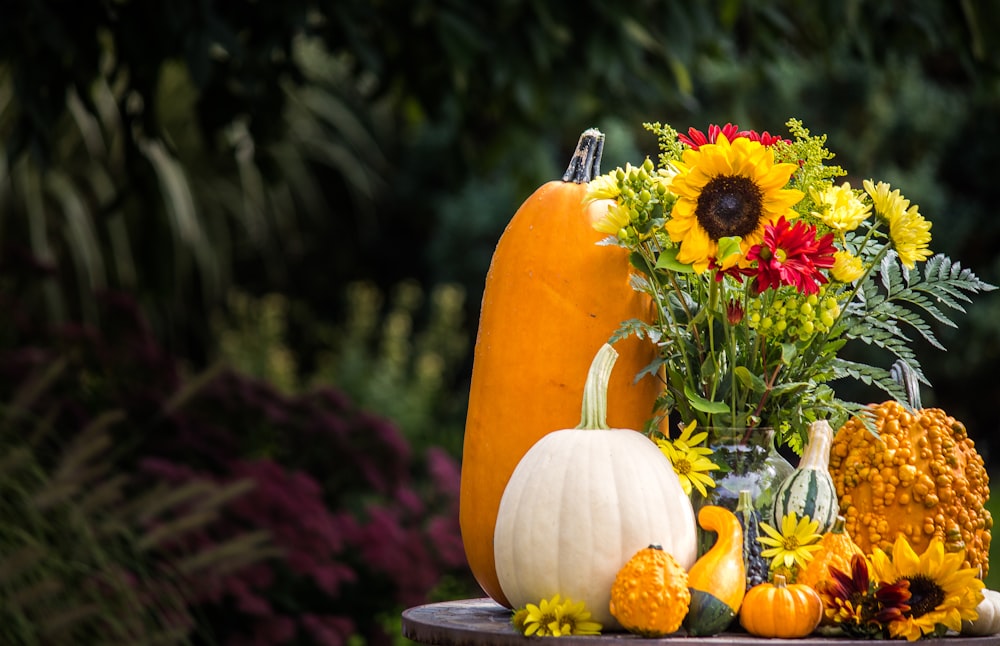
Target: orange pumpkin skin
pixel 780 610
pixel 553 296
pixel 836 549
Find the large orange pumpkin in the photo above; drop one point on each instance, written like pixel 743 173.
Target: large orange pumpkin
pixel 553 297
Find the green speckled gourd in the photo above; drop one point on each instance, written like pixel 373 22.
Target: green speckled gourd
pixel 756 565
pixel 809 490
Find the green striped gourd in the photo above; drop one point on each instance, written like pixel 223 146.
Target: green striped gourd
pixel 809 490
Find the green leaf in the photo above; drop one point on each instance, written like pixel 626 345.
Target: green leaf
pixel 788 352
pixel 702 404
pixel 668 260
pixel 728 246
pixel 749 379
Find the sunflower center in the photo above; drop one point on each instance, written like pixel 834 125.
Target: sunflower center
pixel 925 595
pixel 791 543
pixel 683 466
pixel 729 205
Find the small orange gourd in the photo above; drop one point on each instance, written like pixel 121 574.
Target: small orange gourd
pixel 553 296
pixel 718 578
pixel 650 595
pixel 780 610
pixel 836 549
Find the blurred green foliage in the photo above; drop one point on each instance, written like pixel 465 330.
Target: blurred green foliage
pixel 397 353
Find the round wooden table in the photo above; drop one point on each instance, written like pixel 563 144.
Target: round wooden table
pixel 483 622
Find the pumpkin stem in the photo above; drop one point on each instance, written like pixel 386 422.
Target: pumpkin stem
pixel 585 164
pixel 906 376
pixel 779 581
pixel 594 412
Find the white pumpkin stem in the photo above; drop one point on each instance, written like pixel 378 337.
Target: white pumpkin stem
pixel 816 454
pixel 594 412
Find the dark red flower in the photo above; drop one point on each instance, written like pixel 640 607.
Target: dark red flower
pixel 791 254
pixel 696 138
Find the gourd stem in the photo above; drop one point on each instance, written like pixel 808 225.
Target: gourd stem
pixel 745 501
pixel 585 164
pixel 594 411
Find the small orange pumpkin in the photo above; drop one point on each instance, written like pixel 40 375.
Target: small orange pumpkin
pixel 781 610
pixel 553 296
pixel 650 594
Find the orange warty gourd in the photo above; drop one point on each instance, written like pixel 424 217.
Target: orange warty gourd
pixel 921 477
pixel 553 296
pixel 650 595
pixel 836 549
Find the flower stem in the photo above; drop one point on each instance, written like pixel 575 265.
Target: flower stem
pixel 594 410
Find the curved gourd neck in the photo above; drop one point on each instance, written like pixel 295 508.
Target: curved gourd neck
pixel 594 411
pixel 816 454
pixel 585 164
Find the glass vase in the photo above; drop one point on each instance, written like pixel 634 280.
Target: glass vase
pixel 747 460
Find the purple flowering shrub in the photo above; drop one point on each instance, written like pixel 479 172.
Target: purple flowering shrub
pixel 361 525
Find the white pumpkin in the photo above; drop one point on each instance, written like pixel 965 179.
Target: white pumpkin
pixel 581 502
pixel 988 622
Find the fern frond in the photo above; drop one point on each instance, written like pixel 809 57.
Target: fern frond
pixel 869 375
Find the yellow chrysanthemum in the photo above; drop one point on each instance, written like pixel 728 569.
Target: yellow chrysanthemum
pixel 911 236
pixel 554 618
pixel 941 591
pixel 909 231
pixel 727 190
pixel 794 544
pixel 603 187
pixel 839 208
pixel 847 267
pixel 616 219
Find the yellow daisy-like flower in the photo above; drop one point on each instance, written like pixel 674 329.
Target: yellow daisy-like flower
pixel 616 219
pixel 941 591
pixel 911 236
pixel 603 187
pixel 690 465
pixel 847 267
pixel 839 208
pixel 794 544
pixel 909 231
pixel 554 618
pixel 727 190
pixel 690 460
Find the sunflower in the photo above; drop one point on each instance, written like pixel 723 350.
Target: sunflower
pixel 555 617
pixel 727 190
pixel 942 593
pixel 794 544
pixel 690 461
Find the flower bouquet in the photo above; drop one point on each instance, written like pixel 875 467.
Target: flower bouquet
pixel 761 267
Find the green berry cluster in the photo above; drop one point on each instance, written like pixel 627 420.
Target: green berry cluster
pixel 793 316
pixel 643 195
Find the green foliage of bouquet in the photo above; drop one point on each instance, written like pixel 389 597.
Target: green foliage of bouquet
pixel 761 267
